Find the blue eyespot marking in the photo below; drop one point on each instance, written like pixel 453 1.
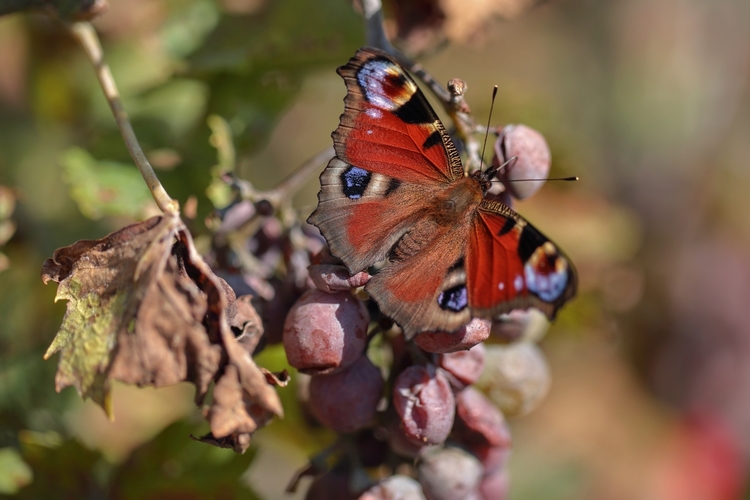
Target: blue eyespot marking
pixel 354 181
pixel 454 299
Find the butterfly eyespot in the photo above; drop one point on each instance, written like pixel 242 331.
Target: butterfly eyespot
pixel 384 85
pixel 354 182
pixel 454 299
pixel 546 274
pixel 530 241
pixel 393 185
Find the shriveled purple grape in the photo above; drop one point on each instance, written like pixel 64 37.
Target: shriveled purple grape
pixel 346 401
pixel 401 444
pixel 333 485
pixel 325 332
pixel 450 474
pixel 396 487
pixel 479 421
pixel 463 367
pixel 516 377
pixel 424 400
pixel 471 334
pixel 493 458
pixel 519 325
pixel 533 159
pixel 495 485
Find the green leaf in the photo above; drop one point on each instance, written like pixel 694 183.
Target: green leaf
pixel 219 192
pixel 62 469
pixel 102 188
pixel 14 472
pixel 174 466
pixel 255 64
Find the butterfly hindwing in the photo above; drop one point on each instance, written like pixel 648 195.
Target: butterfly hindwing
pixel 426 289
pixel 511 265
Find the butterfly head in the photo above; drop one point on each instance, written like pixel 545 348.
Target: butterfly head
pixel 484 178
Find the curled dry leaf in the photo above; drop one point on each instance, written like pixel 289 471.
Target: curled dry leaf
pixel 143 308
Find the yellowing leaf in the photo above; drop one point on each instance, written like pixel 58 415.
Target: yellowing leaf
pixel 143 308
pixel 14 472
pixel 103 188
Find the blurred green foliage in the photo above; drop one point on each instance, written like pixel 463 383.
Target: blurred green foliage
pixel 175 63
pixel 103 188
pixel 169 466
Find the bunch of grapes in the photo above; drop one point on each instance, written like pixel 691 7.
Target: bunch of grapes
pixel 412 419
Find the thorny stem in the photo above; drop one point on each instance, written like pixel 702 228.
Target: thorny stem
pixel 86 35
pixel 465 126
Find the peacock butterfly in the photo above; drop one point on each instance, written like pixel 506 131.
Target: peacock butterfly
pixel 396 191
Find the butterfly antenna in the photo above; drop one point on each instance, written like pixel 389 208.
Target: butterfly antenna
pixel 487 132
pixel 567 179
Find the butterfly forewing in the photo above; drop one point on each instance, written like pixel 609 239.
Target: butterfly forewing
pixel 388 126
pixel 392 156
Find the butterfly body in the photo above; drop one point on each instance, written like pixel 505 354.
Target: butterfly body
pixel 396 192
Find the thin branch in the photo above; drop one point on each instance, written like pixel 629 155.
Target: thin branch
pixel 86 36
pixel 277 198
pixel 374 32
pixel 289 186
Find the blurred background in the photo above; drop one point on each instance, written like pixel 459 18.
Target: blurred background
pixel 648 102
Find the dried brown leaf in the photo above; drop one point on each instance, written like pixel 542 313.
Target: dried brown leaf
pixel 281 379
pixel 145 309
pixel 422 25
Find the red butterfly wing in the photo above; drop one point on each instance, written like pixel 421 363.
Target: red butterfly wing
pixel 388 127
pixel 511 265
pixel 392 156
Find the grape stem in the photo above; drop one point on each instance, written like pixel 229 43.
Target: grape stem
pixel 86 36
